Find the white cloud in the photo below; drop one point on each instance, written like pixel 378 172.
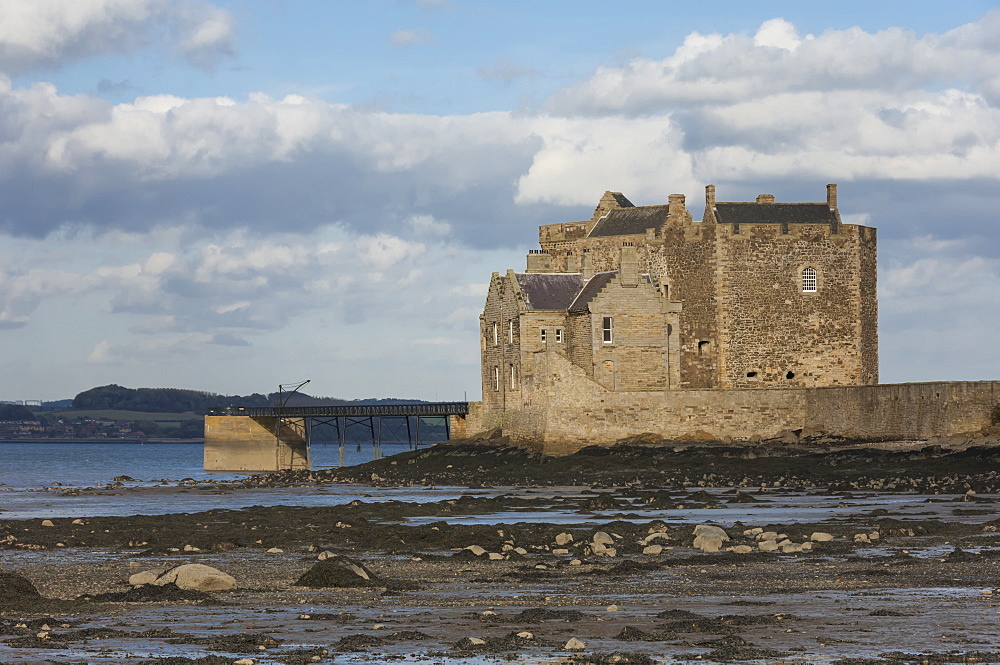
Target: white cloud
pixel 408 38
pixel 47 33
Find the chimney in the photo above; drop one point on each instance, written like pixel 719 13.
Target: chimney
pixel 676 210
pixel 586 266
pixel 765 198
pixel 539 261
pixel 709 215
pixel 628 271
pixel 831 196
pixel 572 262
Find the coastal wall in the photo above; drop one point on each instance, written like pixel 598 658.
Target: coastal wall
pixel 565 411
pixel 242 443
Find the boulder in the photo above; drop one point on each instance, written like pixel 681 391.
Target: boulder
pixel 652 550
pixel 575 645
pixel 741 549
pixel 767 545
pixel 659 535
pixel 476 549
pixel 821 537
pixel 337 571
pixel 707 543
pixel 196 577
pixel 711 532
pixel 146 576
pixel 564 539
pixel 603 538
pixel 15 587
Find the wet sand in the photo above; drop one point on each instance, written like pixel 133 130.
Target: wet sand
pixel 921 589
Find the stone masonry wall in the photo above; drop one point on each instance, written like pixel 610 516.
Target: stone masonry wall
pixel 565 411
pixel 773 333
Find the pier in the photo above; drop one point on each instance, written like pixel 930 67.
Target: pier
pixel 280 437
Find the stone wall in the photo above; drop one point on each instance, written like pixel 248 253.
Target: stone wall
pixel 242 443
pixel 565 411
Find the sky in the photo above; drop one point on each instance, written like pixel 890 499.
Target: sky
pixel 232 195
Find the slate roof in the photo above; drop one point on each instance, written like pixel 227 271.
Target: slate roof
pixel 622 201
pixel 774 213
pixel 549 290
pixel 630 221
pixel 590 290
pixel 594 286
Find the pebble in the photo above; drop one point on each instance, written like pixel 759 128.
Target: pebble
pixel 525 635
pixel 576 562
pixel 47 523
pixel 274 550
pixel 477 641
pixel 575 645
pixel 612 608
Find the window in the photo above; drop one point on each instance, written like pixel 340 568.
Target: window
pixel 510 331
pixel 559 335
pixel 608 327
pixel 496 334
pixel 544 336
pixel 809 281
pixel 704 347
pixel 513 375
pixel 496 378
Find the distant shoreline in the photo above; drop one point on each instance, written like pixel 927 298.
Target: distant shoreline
pixel 66 440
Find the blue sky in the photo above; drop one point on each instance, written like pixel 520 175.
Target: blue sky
pixel 230 195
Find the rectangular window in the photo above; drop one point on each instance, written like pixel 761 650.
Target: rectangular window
pixel 496 378
pixel 609 336
pixel 559 335
pixel 513 376
pixel 510 331
pixel 544 336
pixel 496 334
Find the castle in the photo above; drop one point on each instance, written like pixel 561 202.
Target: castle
pixel 641 319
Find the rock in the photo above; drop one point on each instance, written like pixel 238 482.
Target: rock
pixel 78 521
pixel 652 550
pixel 520 550
pixel 874 535
pixel 197 577
pixel 576 562
pixel 612 608
pixel 560 550
pixel 659 535
pixel 767 535
pixel 806 546
pixel 767 545
pixel 574 645
pixel 496 556
pixel 243 661
pixel 191 548
pixel 711 532
pixel 610 551
pixel 791 548
pixel 525 635
pixel 821 537
pixel 275 550
pixel 476 549
pixel 861 538
pixel 47 523
pixel 476 641
pixel 598 548
pixel 602 538
pixel 741 549
pixel 15 587
pixel 337 571
pixel 753 532
pixel 564 539
pixel 707 543
pixel 146 576
pixel 325 554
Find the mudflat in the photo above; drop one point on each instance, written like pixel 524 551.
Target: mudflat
pixel 645 552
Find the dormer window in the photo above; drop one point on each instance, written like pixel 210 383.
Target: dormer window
pixel 809 281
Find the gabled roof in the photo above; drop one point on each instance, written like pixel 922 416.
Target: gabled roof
pixel 594 286
pixel 621 200
pixel 546 290
pixel 590 290
pixel 774 213
pixel 630 221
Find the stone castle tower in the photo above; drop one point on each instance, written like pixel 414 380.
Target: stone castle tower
pixel 643 298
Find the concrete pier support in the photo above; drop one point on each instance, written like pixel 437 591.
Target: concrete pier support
pixel 245 443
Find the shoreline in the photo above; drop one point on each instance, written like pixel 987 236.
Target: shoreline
pixel 908 573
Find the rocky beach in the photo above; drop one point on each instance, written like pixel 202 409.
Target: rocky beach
pixel 790 551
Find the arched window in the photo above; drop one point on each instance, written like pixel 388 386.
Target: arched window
pixel 809 280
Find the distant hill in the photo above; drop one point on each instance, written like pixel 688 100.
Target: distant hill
pixel 174 400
